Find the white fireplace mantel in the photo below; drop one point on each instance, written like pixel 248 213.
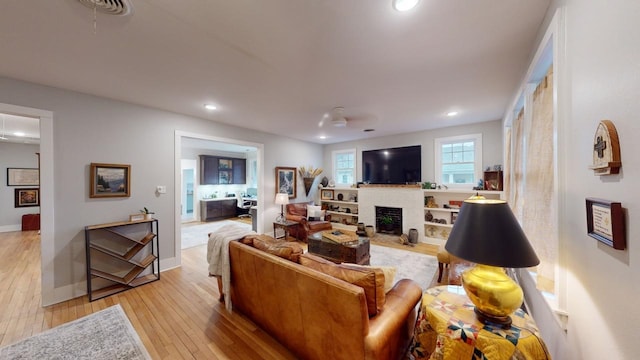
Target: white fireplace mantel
pixel 409 199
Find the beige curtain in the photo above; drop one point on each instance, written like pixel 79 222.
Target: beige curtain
pixel 539 213
pixel 514 196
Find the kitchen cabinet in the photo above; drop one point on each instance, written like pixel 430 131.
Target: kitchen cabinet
pixel 217 170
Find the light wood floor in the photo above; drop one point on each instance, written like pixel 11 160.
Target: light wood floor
pixel 177 317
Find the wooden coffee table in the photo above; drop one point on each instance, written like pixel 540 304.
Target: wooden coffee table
pixel 356 253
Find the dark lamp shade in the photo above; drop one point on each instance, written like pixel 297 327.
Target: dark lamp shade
pixel 486 232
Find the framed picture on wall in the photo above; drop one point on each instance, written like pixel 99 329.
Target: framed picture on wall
pixel 286 181
pixel 27 197
pixel 110 180
pixel 23 177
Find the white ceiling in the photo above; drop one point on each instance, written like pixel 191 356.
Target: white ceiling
pixel 279 65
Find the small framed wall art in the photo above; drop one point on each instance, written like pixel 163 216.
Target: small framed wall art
pixel 110 180
pixel 27 197
pixel 605 222
pixel 23 177
pixel 286 181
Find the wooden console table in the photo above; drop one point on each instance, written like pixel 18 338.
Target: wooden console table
pixel 447 328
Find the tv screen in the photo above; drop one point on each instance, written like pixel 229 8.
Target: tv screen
pixel 401 165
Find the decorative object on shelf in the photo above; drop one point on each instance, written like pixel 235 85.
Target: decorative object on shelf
pixel 606 150
pixel 488 234
pixel 369 230
pixel 493 180
pixel 480 185
pixel 110 180
pixel 137 217
pixel 26 197
pixel 428 216
pixel 454 217
pixel 332 183
pixel 286 181
pixel 282 199
pixel 326 194
pixel 147 213
pixel 426 185
pixel 340 197
pixel 353 197
pixel 605 222
pixel 431 202
pixel 23 177
pixel 308 176
pixel 324 182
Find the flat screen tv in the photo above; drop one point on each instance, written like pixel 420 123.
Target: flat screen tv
pixel 401 165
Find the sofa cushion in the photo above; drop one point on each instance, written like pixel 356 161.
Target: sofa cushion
pixel 388 271
pixel 284 249
pixel 369 279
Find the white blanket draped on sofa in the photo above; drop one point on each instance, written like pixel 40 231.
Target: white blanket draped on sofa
pixel 218 255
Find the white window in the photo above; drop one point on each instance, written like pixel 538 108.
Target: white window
pixel 344 167
pixel 458 160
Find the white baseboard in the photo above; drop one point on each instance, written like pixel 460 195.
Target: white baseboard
pixel 10 228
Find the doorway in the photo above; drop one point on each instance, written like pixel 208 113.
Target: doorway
pixel 188 211
pixel 188 147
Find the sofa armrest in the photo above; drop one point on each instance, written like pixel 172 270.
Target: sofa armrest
pixel 391 331
pixel 296 218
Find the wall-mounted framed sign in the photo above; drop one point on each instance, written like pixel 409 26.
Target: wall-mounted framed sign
pixel 23 177
pixel 605 222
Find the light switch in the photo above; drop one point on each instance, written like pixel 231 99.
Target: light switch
pixel 160 189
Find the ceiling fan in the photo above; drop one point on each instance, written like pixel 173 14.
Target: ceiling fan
pixel 336 118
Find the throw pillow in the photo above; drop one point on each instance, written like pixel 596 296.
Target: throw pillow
pixel 371 280
pixel 314 211
pixel 388 271
pixel 286 250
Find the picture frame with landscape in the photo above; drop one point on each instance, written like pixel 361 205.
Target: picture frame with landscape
pixel 286 181
pixel 26 197
pixel 110 180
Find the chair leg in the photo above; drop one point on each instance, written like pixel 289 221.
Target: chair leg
pixel 440 266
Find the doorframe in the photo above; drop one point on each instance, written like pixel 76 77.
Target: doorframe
pixel 178 175
pixel 47 223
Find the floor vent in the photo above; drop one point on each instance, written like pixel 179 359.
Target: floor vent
pixel 111 7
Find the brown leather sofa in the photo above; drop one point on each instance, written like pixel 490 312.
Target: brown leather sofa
pixel 317 316
pixel 298 212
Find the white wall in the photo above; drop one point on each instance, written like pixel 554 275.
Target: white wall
pixel 92 129
pixel 13 155
pixel 602 81
pixel 491 139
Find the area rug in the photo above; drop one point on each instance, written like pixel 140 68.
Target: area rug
pixel 103 335
pixel 194 235
pixel 409 265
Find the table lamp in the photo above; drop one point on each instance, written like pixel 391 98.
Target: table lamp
pixel 487 233
pixel 281 199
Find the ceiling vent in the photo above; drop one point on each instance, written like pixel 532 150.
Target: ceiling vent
pixel 110 7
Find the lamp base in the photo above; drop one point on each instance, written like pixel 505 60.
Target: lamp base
pixel 495 295
pixel 503 321
pixel 280 218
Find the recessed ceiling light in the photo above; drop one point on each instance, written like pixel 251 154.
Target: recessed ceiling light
pixel 322 137
pixel 210 107
pixel 18 133
pixel 404 5
pixel 452 113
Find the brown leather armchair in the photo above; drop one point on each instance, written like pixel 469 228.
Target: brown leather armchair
pixel 298 212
